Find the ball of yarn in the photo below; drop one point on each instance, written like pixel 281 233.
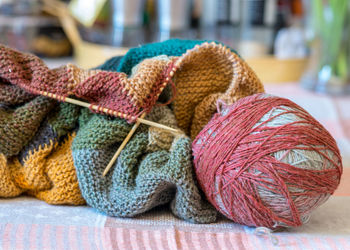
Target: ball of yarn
pixel 264 161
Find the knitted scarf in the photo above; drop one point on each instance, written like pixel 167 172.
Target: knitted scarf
pixel 45 147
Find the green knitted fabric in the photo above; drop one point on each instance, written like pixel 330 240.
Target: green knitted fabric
pixel 19 124
pixel 35 138
pixel 144 176
pixel 64 118
pixel 21 115
pixel 140 179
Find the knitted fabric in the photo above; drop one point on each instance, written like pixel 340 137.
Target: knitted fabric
pixel 151 170
pixel 206 74
pixel 18 125
pixel 154 169
pixel 202 76
pixel 115 92
pixel 35 154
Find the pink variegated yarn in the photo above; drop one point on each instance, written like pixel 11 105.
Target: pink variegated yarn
pixel 264 161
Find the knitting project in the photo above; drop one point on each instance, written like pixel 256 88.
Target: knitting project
pixel 202 75
pixel 35 148
pixel 154 168
pixel 114 93
pixel 47 148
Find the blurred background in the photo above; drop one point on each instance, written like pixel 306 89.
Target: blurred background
pixel 305 41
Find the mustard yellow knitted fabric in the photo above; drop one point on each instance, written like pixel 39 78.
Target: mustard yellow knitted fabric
pixel 205 74
pixel 35 149
pixel 47 174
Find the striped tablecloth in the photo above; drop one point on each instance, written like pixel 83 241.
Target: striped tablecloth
pixel 26 223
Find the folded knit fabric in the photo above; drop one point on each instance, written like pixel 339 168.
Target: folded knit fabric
pixel 35 153
pixel 172 47
pixel 153 169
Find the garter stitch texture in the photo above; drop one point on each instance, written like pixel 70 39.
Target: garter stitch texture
pixel 172 47
pixel 122 96
pixel 202 75
pixel 153 169
pixel 35 153
pixel 204 72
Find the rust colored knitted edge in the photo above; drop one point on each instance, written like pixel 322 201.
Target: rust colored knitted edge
pixel 31 74
pixel 160 85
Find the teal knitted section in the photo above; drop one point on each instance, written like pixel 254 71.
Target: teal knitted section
pixel 111 64
pixel 172 47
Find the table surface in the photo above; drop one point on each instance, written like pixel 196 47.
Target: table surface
pixel 27 223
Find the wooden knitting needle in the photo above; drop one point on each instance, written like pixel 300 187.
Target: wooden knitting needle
pixel 130 134
pixel 122 146
pixel 140 119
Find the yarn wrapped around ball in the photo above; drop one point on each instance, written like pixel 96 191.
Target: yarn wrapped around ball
pixel 266 162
